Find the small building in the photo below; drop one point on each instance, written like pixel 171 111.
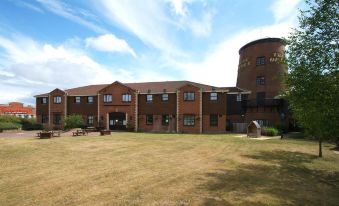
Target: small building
pixel 17 109
pixel 253 129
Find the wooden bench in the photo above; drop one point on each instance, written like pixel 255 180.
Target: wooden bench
pixel 80 133
pixel 45 135
pixel 105 132
pixel 90 129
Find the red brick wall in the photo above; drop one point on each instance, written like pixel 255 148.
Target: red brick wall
pixel 41 109
pixel 157 124
pixel 189 107
pixel 207 128
pixel 57 108
pixel 83 108
pixel 116 89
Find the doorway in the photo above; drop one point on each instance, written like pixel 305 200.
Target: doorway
pixel 117 121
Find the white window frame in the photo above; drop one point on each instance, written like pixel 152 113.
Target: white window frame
pixel 107 98
pixel 149 98
pixel 213 96
pixel 164 97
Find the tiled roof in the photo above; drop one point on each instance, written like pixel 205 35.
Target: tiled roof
pixel 145 87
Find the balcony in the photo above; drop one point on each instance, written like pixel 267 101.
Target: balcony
pixel 262 103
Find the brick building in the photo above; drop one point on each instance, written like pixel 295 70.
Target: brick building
pixel 178 106
pixel 17 109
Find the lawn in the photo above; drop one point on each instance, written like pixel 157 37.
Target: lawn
pixel 166 169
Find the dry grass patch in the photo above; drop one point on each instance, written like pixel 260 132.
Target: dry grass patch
pixel 166 169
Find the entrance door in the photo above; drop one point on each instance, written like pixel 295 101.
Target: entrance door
pixel 117 121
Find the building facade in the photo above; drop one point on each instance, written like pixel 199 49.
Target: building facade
pixel 17 109
pixel 179 106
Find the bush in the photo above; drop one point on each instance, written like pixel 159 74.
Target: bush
pixel 9 125
pixel 30 124
pixel 10 118
pixel 74 121
pixel 269 131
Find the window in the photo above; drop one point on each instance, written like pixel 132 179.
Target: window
pixel 90 99
pixel 44 119
pixel 57 100
pixel 262 122
pixel 213 120
pixel 164 97
pixel 213 96
pixel 189 120
pixel 77 100
pixel 149 98
pixel 57 118
pixel 165 119
pixel 260 61
pixel 149 119
pixel 107 98
pixel 260 80
pixel 238 97
pixel 90 119
pixel 189 96
pixel 43 100
pixel 126 98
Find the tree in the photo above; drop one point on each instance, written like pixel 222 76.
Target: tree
pixel 313 79
pixel 74 121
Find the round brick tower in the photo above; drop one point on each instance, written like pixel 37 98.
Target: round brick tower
pixel 261 69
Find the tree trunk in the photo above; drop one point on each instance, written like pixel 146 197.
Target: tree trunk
pixel 320 147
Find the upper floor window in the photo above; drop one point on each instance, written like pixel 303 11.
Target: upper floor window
pixel 189 96
pixel 57 99
pixel 164 97
pixel 149 119
pixel 149 98
pixel 107 98
pixel 77 100
pixel 126 98
pixel 238 97
pixel 260 61
pixel 213 96
pixel 43 100
pixel 260 80
pixel 90 99
pixel 189 120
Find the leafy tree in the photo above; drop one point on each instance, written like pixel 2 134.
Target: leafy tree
pixel 74 121
pixel 313 80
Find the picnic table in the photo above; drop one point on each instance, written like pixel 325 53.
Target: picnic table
pixel 48 134
pixel 80 132
pixel 105 132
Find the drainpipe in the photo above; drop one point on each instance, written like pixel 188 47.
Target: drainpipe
pixel 200 100
pixel 178 94
pixel 98 100
pixel 136 111
pixel 49 110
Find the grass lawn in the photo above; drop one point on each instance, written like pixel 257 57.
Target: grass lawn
pixel 166 169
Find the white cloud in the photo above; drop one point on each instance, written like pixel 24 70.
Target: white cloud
pixel 109 43
pixel 77 15
pixel 202 27
pixel 179 7
pixel 284 9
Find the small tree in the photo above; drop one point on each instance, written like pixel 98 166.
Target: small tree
pixel 74 121
pixel 313 80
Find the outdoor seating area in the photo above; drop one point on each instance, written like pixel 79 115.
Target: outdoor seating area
pixel 48 134
pixel 80 132
pixel 105 132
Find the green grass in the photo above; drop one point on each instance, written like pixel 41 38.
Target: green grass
pixel 166 169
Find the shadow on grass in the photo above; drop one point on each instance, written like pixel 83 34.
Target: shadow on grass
pixel 279 178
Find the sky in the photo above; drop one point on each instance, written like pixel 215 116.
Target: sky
pixel 48 44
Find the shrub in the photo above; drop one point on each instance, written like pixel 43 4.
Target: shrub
pixel 270 131
pixel 9 125
pixel 74 121
pixel 10 118
pixel 30 124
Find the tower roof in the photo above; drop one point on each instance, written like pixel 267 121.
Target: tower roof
pixel 261 41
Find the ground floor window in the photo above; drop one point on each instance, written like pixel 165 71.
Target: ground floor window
pixel 44 119
pixel 189 120
pixel 57 118
pixel 165 119
pixel 213 120
pixel 149 119
pixel 262 122
pixel 90 119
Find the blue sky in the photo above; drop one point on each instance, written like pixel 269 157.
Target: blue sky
pixel 47 44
